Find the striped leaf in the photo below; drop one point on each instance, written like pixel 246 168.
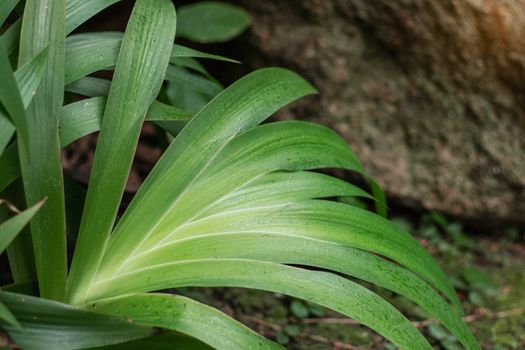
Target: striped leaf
pixel 143 58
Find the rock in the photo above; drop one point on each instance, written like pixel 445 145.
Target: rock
pixel 431 94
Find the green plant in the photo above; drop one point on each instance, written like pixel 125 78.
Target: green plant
pixel 230 203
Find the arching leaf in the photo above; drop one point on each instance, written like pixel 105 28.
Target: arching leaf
pixel 189 317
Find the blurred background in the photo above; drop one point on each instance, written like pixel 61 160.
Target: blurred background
pixel 431 96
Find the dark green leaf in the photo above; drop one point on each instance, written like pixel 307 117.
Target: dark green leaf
pixel 79 11
pixel 12 227
pixel 209 21
pixel 11 97
pixel 187 316
pixel 141 65
pixel 30 75
pixel 44 26
pixel 52 325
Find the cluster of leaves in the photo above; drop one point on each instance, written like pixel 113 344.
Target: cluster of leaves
pixel 230 203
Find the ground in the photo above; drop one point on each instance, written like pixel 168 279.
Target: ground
pixel 487 271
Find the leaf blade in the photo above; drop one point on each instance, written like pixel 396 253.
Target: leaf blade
pixel 43 26
pixel 79 11
pixel 319 287
pixel 12 227
pixel 11 98
pixel 139 72
pixel 187 316
pixel 52 325
pixel 30 75
pixel 84 117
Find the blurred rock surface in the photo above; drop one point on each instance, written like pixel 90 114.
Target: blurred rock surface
pixel 430 93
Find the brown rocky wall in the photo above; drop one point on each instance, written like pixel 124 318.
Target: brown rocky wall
pixel 430 93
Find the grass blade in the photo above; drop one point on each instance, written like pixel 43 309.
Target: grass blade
pixel 316 251
pixel 139 73
pixel 77 120
pixel 79 11
pixel 322 288
pixel 52 325
pixel 44 26
pixel 30 75
pixel 11 41
pixel 89 52
pixel 12 227
pixel 11 98
pixel 84 117
pixel 89 86
pixel 183 51
pixel 187 316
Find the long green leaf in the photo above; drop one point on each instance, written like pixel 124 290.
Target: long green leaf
pixel 209 21
pixel 284 187
pixel 315 250
pixel 183 51
pixel 11 40
pixel 79 11
pixel 51 325
pixel 89 86
pixel 44 26
pixel 89 52
pixel 83 117
pixel 11 98
pixel 323 288
pixel 28 78
pixel 77 120
pixel 189 317
pixel 140 69
pixel 12 227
